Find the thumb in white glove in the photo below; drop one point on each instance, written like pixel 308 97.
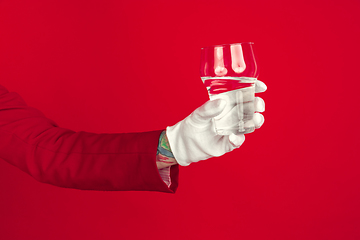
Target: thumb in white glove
pixel 194 138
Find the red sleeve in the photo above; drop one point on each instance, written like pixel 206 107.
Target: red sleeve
pixel 81 160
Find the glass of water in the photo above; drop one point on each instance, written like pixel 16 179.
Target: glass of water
pixel 229 72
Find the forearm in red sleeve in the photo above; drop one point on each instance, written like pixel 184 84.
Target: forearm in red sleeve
pixel 81 160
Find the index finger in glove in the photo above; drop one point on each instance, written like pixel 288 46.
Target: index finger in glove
pixel 260 86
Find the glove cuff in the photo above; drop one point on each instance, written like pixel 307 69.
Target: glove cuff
pixel 176 144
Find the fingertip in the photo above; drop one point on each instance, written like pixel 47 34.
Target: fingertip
pixel 259 104
pixel 258 120
pixel 237 140
pixel 260 86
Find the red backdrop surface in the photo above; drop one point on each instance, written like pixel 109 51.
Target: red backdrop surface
pixel 123 66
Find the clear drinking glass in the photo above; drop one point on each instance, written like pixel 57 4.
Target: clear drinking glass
pixel 229 71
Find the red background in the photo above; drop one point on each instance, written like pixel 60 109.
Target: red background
pixel 123 66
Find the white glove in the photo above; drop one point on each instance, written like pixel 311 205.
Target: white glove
pixel 194 138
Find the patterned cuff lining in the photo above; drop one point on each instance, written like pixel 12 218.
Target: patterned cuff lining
pixel 165 175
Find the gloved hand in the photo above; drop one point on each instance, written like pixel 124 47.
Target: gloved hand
pixel 194 138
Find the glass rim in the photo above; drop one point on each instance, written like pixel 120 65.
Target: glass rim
pixel 227 44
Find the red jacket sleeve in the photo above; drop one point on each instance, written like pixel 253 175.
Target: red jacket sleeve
pixel 81 160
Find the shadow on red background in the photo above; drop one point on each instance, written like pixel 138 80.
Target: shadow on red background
pixel 109 66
